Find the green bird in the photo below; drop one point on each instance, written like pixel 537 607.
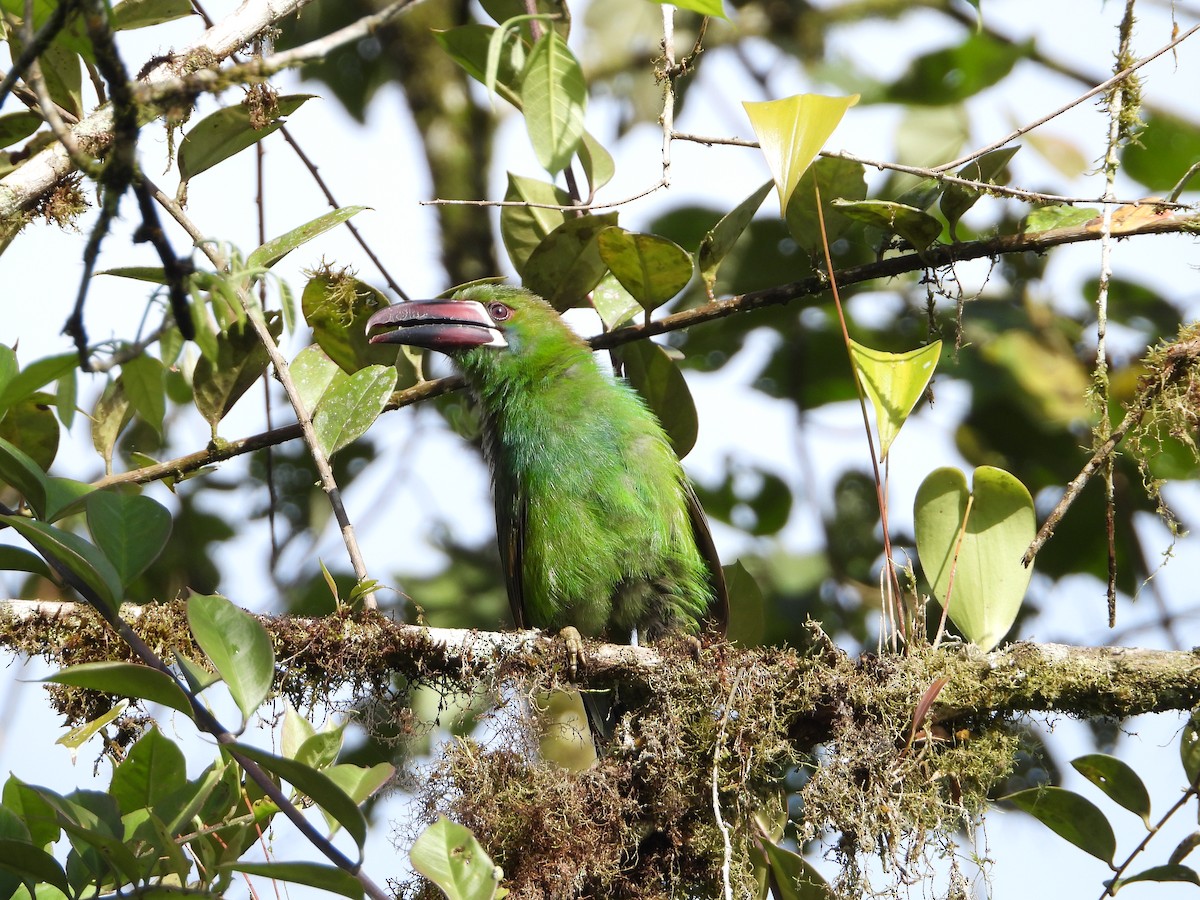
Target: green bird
pixel 599 529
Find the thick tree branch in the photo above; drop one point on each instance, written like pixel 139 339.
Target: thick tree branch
pixel 368 649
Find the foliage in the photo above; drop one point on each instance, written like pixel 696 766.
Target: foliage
pixel 707 786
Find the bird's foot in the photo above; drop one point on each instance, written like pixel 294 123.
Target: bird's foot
pixel 574 641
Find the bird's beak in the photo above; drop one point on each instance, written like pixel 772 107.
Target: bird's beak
pixel 444 325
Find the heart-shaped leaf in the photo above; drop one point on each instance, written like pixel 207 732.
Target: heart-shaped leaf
pixel 981 577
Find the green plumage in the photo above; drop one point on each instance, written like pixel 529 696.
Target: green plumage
pixel 598 527
pixel 596 522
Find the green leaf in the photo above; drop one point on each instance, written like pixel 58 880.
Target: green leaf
pixel 227 132
pixel 35 376
pixel 553 96
pixel 652 268
pixel 1071 817
pixel 8 367
pixel 317 786
pixel 15 127
pixel 277 248
pixel 146 389
pixel 126 680
pixel 32 426
pixel 1166 147
pixel 65 497
pixel 450 856
pixel 79 735
pixel 320 749
pixel 21 473
pixel 720 239
pixel 989 580
pixel 198 678
pixel 657 378
pixel 351 407
pixel 131 530
pixel 361 782
pixel 109 418
pixel 316 875
pixel 916 226
pixel 567 264
pixel 523 228
pixel 81 559
pixel 468 45
pixel 792 131
pixel 1045 218
pixel 38 815
pixel 131 14
pixel 152 771
pixel 703 7
pixel 238 646
pixel 953 74
pixel 297 730
pixel 1120 782
pixel 613 303
pixel 1166 873
pixel 1189 749
pixel 241 361
pixel 32 864
pixel 65 395
pixel 894 382
pixel 957 198
pixel 151 274
pixel 792 877
pixel 838 179
pixel 314 373
pixel 16 559
pixel 597 163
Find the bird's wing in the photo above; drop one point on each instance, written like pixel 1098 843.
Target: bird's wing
pixel 510 534
pixel 718 610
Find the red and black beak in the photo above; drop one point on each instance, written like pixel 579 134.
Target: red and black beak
pixel 445 325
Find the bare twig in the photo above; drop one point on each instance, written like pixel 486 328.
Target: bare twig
pixel 1098 89
pixel 1178 359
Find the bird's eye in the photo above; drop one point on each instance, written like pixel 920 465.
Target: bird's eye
pixel 498 311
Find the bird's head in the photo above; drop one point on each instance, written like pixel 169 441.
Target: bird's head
pixel 480 325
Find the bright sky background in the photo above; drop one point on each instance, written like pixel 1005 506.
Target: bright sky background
pixel 378 164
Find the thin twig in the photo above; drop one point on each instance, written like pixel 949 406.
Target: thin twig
pixel 1112 162
pixel 1098 89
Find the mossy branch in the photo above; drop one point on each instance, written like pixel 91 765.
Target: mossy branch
pixel 364 651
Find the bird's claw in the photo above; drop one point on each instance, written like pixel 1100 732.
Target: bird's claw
pixel 574 641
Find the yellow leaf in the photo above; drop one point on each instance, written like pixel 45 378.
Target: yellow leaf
pixel 792 131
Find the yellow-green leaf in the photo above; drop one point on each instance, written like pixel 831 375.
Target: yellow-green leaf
pixel 894 382
pixel 792 131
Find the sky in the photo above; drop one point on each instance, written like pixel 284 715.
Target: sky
pixel 39 276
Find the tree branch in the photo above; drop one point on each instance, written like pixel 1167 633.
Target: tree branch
pixel 22 187
pixel 1146 219
pixel 369 649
